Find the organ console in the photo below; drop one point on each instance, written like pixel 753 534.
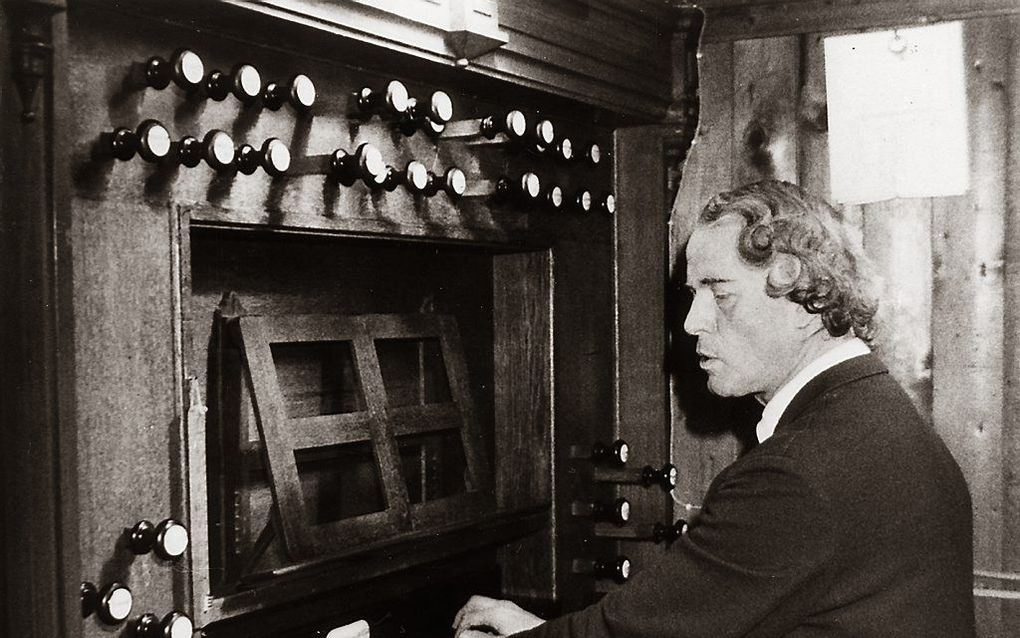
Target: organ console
pixel 318 381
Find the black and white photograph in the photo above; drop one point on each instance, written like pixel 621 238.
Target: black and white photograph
pixel 493 318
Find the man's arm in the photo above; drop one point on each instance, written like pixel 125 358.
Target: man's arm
pixel 754 559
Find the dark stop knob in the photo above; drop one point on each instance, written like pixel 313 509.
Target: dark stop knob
pixel 668 533
pixel 114 605
pixel 153 141
pixel 121 144
pixel 173 625
pixel 514 124
pixel 615 454
pixel 389 102
pixel 89 599
pixel 583 200
pixel 299 91
pixel 607 204
pixel 273 157
pixel 169 539
pixel 244 82
pixel 665 478
pixel 617 513
pixel 617 569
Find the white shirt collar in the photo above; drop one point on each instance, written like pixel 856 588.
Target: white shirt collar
pixel 775 408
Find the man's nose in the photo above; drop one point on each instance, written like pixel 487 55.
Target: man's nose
pixel 699 317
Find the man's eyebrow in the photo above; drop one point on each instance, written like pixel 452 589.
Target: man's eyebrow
pixel 708 281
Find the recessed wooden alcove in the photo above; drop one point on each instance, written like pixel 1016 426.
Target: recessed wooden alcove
pixel 354 386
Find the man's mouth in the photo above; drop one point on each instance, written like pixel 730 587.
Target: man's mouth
pixel 704 359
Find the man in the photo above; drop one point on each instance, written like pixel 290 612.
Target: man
pixel 849 518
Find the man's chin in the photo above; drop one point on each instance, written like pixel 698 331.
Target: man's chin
pixel 720 389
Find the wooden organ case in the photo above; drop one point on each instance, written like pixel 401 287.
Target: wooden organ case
pixel 322 312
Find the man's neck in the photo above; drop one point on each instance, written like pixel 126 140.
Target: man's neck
pixel 814 346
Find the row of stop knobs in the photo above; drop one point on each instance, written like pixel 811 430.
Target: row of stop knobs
pixel 113 603
pixel 152 142
pixel 186 69
pixel 611 518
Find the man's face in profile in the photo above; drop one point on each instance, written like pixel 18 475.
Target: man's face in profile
pixel 747 341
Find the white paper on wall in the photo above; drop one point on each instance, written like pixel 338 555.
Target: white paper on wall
pixel 897 107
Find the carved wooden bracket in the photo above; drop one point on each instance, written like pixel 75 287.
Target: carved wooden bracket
pixel 32 50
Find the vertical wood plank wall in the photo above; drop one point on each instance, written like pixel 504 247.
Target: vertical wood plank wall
pixel 950 266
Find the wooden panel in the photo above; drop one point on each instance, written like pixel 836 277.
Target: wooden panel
pixel 813 117
pixel 642 278
pixel 699 447
pixel 765 106
pixel 768 19
pixel 897 237
pixel 1011 331
pixel 522 317
pixel 40 557
pixel 129 441
pixel 583 334
pixel 967 304
pixel 294 519
pixel 311 201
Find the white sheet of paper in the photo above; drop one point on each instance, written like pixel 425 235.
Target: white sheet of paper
pixel 897 118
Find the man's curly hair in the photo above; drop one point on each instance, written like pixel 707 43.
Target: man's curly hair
pixel 835 277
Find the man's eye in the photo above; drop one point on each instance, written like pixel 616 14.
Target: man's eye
pixel 719 296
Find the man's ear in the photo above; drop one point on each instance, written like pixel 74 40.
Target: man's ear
pixel 784 271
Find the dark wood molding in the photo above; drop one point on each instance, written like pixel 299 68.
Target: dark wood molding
pixel 40 525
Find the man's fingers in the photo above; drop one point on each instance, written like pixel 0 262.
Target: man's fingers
pixel 474 606
pixel 473 633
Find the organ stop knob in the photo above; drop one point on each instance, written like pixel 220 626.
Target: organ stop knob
pixel 273 157
pixel 244 82
pixel 169 539
pixel 174 625
pixel 299 92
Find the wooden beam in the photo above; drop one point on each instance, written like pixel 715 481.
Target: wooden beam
pixel 727 20
pixel 765 92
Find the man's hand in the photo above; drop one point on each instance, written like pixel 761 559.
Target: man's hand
pixel 483 617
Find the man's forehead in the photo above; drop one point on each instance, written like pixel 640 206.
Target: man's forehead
pixel 712 249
